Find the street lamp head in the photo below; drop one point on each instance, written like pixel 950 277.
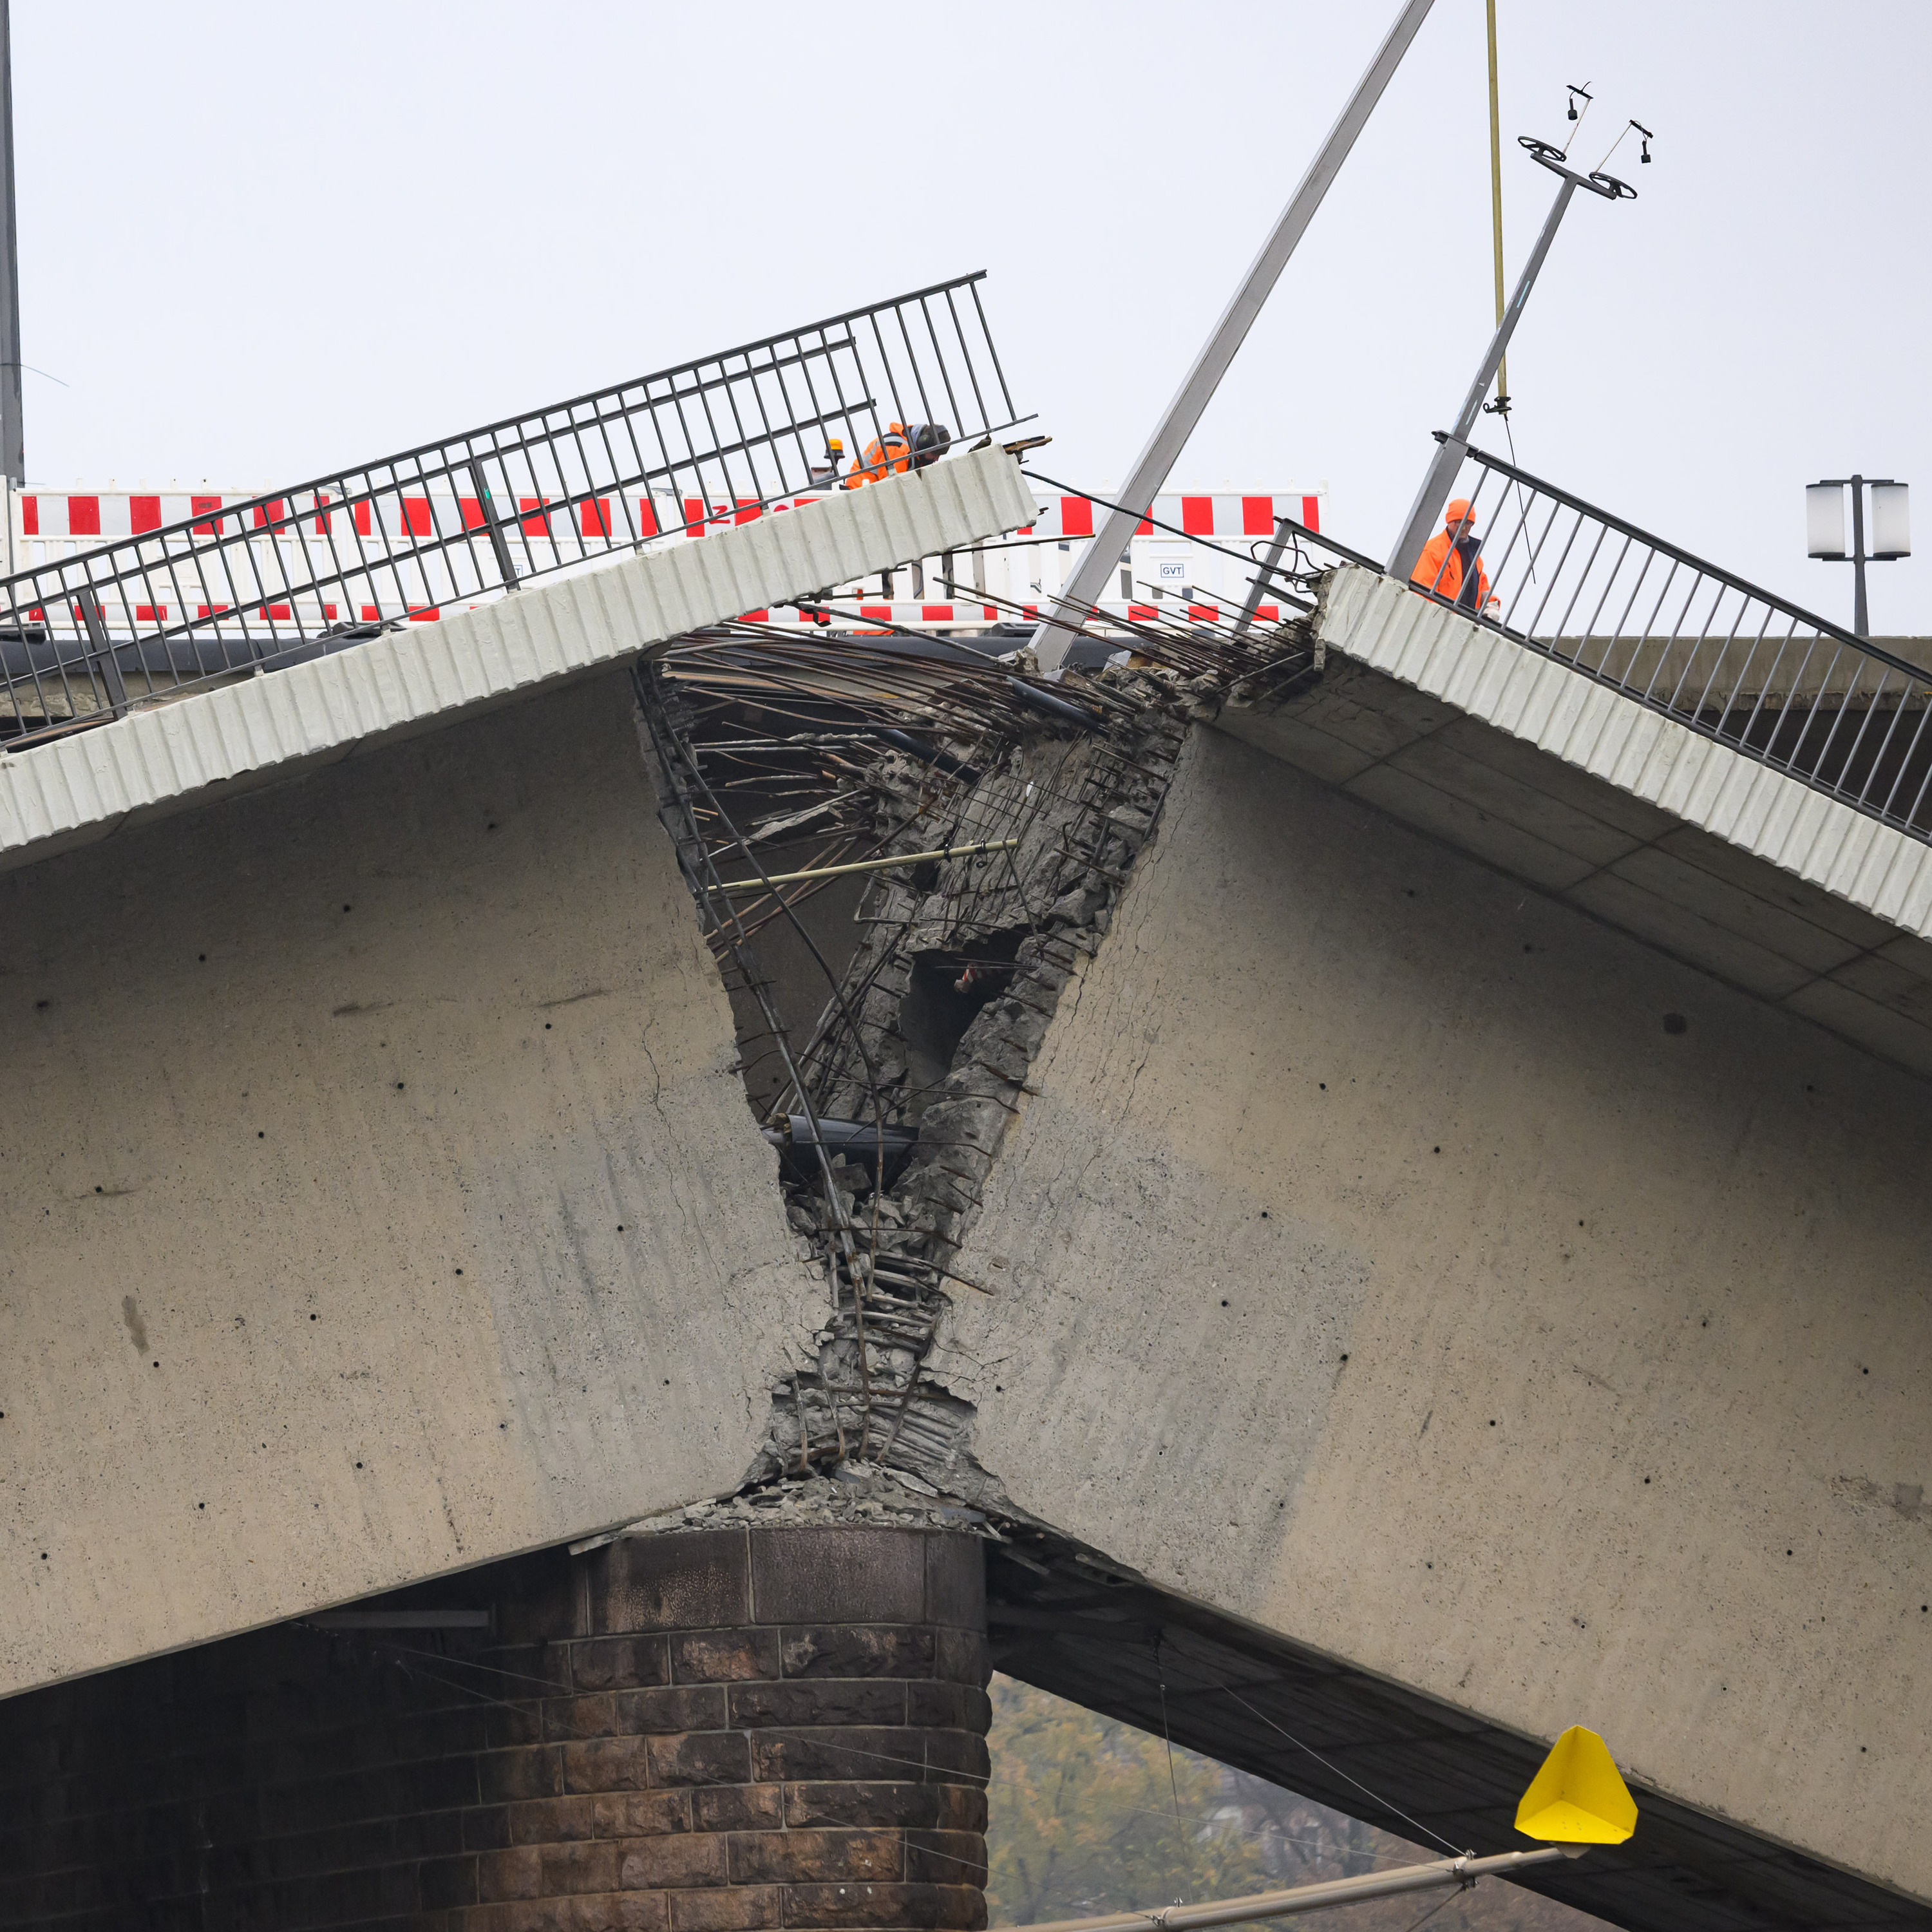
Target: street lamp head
pixel 1825 521
pixel 1891 521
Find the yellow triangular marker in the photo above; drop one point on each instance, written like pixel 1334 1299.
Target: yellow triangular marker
pixel 1577 1798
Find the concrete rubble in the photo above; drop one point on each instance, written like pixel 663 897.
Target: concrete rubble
pixel 935 1020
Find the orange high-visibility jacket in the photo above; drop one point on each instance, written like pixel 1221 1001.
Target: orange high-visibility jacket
pixel 883 456
pixel 1439 554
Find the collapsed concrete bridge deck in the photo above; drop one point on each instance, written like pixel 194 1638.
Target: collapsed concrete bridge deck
pixel 1372 1285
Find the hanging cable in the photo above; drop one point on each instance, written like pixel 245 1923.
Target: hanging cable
pixel 1173 1786
pixel 1577 94
pixel 1417 1924
pixel 1629 127
pixel 1396 1811
pixel 1501 405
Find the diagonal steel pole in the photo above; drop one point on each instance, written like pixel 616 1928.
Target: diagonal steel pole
pixel 1258 586
pixel 1436 1874
pixel 1151 470
pixel 13 461
pixel 1442 472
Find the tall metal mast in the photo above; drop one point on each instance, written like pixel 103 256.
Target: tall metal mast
pixel 1496 204
pixel 13 434
pixel 1455 445
pixel 1055 634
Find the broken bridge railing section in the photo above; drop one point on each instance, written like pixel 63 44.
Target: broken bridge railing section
pixel 248 588
pixel 1683 636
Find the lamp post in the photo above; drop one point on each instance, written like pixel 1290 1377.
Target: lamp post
pixel 1455 446
pixel 1825 529
pixel 12 457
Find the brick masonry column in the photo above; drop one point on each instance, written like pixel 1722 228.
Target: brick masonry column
pixel 762 1728
pixel 704 1731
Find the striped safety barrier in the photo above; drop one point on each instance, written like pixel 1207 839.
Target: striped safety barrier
pixel 976 616
pixel 1222 517
pixel 843 613
pixel 50 523
pixel 109 513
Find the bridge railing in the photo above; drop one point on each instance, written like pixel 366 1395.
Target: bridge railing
pixel 262 584
pixel 1699 643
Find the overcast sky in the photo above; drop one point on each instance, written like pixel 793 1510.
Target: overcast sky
pixel 260 243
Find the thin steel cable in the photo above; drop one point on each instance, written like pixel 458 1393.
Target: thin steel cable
pixel 1394 1809
pixel 1445 1899
pixel 385 1650
pixel 1179 1832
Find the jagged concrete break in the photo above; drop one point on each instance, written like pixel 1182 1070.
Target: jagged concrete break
pixel 937 1017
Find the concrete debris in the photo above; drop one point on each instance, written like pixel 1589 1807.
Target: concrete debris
pixel 854 1493
pixel 933 1024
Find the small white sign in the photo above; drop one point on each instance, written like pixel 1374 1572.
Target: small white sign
pixel 1174 573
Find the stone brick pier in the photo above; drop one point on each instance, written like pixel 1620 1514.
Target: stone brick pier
pixel 702 1731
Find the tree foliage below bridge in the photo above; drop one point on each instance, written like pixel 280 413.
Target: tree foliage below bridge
pixel 1089 1816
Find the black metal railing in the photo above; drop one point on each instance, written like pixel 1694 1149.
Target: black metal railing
pixel 1774 682
pixel 323 564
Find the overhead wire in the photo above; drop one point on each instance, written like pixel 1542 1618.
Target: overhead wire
pixel 1395 1810
pixel 1501 406
pixel 387 1649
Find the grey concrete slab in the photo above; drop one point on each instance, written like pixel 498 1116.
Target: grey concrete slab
pixel 1386 1273
pixel 1687 935
pixel 1781 819
pixel 1914 954
pixel 1882 1029
pixel 1890 984
pixel 1445 816
pixel 1515 798
pixel 1375 714
pixel 378 1195
pixel 1546 772
pixel 1297 741
pixel 1749 874
pixel 1477 787
pixel 1659 869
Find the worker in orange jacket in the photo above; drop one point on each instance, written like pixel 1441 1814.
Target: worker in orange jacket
pixel 1451 563
pixel 884 456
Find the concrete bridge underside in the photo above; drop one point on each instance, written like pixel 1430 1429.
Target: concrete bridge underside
pixel 1392 1311
pixel 1416 1270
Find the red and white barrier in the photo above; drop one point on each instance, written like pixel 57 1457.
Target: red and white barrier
pixel 101 516
pixel 880 619
pixel 50 525
pixel 1221 518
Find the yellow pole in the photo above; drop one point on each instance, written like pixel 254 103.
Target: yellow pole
pixel 1496 197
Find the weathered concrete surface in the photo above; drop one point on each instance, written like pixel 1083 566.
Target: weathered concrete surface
pixel 377 1193
pixel 1569 831
pixel 1780 819
pixel 1374 1264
